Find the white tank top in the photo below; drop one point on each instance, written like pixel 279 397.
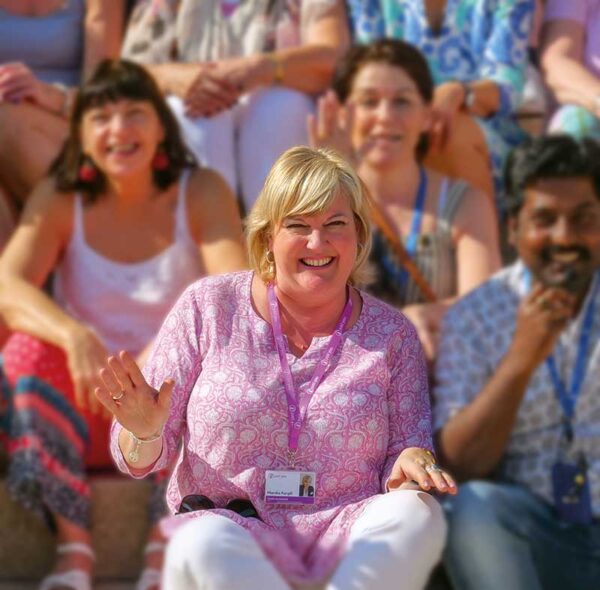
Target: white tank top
pixel 126 303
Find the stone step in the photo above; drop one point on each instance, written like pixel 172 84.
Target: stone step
pixel 119 529
pixel 105 585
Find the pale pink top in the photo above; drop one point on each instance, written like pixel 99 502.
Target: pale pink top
pixel 229 407
pixel 126 303
pixel 587 13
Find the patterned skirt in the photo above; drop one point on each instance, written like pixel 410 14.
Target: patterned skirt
pixel 50 442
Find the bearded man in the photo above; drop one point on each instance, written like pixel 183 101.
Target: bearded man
pixel 517 398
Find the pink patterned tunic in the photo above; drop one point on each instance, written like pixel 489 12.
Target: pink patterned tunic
pixel 229 410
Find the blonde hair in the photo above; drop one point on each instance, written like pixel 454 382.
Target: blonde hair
pixel 306 181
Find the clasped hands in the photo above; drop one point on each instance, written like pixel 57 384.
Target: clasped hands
pixel 210 88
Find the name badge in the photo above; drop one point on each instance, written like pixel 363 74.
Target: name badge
pixel 290 487
pixel 572 497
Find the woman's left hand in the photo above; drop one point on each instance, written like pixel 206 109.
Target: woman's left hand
pixel 419 465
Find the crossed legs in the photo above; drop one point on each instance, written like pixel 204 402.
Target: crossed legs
pixel 393 545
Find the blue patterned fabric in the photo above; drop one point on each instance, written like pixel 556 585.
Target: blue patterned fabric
pixel 478 39
pixel 575 121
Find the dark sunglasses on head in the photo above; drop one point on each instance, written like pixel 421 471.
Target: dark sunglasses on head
pixel 194 502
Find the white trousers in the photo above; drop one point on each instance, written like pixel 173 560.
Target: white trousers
pixel 394 545
pixel 243 143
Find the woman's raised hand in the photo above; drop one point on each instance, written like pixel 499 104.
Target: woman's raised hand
pixel 419 465
pixel 331 126
pixel 139 408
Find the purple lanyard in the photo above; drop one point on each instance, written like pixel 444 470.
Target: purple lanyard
pixel 297 405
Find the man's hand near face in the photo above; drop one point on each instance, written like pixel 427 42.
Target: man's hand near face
pixel 542 316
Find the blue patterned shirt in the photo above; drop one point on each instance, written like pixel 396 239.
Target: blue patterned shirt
pixel 476 335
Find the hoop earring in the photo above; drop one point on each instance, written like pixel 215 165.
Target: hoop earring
pixel 270 258
pixel 87 171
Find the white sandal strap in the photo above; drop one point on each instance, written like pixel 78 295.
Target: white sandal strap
pixel 154 547
pixel 149 578
pixel 75 579
pixel 82 548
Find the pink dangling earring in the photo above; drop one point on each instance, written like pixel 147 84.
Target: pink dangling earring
pixel 160 161
pixel 87 171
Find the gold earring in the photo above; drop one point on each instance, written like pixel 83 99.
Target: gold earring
pixel 270 258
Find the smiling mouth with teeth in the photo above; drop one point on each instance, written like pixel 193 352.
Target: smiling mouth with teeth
pixel 122 149
pixel 317 262
pixel 566 257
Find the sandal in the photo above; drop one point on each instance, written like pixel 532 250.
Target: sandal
pixel 75 579
pixel 150 577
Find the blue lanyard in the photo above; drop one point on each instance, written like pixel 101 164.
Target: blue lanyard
pixel 415 229
pixel 567 397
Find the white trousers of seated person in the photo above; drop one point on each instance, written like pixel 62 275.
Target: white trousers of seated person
pixel 243 143
pixel 393 545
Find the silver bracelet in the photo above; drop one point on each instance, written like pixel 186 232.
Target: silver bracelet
pixel 134 454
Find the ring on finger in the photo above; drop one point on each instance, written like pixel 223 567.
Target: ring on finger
pixel 117 397
pixel 433 468
pixel 544 303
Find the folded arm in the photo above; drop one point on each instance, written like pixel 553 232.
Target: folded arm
pixel 563 66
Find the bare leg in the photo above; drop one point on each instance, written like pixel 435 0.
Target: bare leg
pixel 154 554
pixel 30 139
pixel 67 532
pixel 465 156
pixel 8 216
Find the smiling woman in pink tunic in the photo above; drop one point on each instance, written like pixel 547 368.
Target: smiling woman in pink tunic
pixel 287 371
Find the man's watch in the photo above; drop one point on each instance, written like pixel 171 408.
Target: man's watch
pixel 469 99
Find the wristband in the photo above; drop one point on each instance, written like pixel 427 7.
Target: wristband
pixel 134 454
pixel 277 68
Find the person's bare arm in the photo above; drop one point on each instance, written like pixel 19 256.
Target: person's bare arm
pixel 215 222
pixel 28 259
pixel 103 31
pixel 562 51
pixel 472 442
pixel 307 68
pixel 449 100
pixel 476 241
